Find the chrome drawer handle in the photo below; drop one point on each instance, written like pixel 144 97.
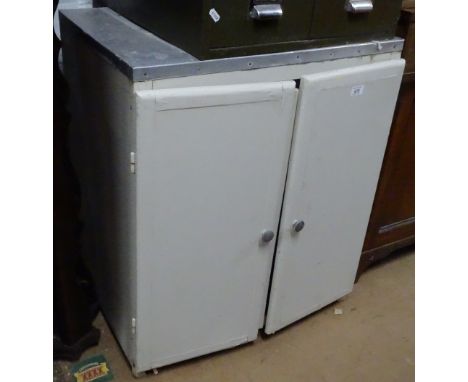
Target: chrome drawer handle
pixel 266 11
pixel 359 6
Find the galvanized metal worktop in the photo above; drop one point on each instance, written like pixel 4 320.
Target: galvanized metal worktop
pixel 142 56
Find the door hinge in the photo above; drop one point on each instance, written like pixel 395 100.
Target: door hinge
pixel 132 163
pixel 133 325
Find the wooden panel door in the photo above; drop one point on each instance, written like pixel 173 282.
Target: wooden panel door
pixel 394 217
pixel 392 222
pixel 341 131
pixel 210 167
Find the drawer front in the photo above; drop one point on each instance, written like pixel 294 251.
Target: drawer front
pixel 236 26
pixel 332 20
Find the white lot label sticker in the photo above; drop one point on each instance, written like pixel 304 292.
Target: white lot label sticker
pixel 357 90
pixel 214 15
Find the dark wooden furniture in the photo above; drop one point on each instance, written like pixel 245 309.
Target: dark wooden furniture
pixel 74 302
pixel 392 221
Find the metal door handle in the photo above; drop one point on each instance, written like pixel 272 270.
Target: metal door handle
pixel 359 6
pixel 266 11
pixel 267 236
pixel 298 225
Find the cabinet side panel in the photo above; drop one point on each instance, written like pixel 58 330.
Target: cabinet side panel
pixel 102 135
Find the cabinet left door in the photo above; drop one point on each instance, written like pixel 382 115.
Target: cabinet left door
pixel 210 166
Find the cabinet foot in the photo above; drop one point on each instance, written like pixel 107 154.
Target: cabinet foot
pixel 138 374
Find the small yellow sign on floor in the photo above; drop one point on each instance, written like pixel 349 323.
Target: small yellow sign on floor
pixel 92 369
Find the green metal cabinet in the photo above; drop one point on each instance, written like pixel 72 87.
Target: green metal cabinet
pixel 220 28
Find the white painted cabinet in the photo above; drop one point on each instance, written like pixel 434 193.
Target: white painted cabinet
pixel 210 166
pixel 341 132
pixel 186 179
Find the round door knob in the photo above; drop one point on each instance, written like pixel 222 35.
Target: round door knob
pixel 267 236
pixel 298 225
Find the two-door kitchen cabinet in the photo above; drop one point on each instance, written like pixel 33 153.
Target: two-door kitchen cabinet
pixel 225 196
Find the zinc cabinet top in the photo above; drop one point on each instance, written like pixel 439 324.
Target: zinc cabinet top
pixel 142 56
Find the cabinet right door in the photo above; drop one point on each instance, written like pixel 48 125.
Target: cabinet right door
pixel 341 130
